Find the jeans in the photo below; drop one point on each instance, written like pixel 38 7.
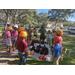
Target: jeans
pixel 22 58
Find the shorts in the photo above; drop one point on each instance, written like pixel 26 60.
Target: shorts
pixel 56 60
pixel 8 43
pixel 42 37
pixel 15 38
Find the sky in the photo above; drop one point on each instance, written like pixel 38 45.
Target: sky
pixel 46 10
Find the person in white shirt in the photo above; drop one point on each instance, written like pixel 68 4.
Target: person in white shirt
pixel 49 37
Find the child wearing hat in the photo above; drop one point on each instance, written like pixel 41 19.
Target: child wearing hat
pixel 22 48
pixel 8 40
pixel 56 51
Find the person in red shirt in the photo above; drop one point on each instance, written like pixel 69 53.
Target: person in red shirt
pixel 22 48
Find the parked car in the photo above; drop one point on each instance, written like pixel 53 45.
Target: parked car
pixel 72 31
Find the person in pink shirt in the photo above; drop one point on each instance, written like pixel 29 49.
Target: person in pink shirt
pixel 15 37
pixel 8 39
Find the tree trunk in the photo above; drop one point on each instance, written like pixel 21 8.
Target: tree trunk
pixel 55 24
pixel 7 18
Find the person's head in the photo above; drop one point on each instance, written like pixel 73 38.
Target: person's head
pixel 16 27
pixel 59 32
pixel 57 40
pixel 10 29
pixel 8 25
pixel 23 35
pixel 19 30
pixel 49 31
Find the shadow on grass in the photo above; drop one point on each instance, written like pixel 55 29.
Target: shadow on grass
pixel 15 62
pixel 31 61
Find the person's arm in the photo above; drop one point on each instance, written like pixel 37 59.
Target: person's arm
pixel 26 52
pixel 52 56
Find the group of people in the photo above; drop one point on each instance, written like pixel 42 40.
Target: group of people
pixel 22 39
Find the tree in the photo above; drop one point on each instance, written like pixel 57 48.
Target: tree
pixel 59 15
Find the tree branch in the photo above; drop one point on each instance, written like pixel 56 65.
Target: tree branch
pixel 5 12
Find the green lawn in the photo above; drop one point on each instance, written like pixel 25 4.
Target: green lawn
pixel 1 29
pixel 68 42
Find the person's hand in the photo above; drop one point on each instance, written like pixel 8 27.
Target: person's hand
pixel 61 59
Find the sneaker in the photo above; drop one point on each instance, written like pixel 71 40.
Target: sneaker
pixel 10 52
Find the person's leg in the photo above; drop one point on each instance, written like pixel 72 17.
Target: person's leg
pixel 14 45
pixel 7 43
pixel 10 48
pixel 24 59
pixel 58 58
pixel 44 39
pixel 54 61
pixel 7 48
pixel 20 58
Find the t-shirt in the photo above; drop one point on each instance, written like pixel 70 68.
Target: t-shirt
pixel 57 50
pixel 9 35
pixel 18 38
pixel 22 45
pixel 35 32
pixel 15 34
pixel 42 31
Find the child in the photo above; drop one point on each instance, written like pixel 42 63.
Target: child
pixel 14 37
pixel 35 33
pixel 56 51
pixel 8 40
pixel 48 37
pixel 22 48
pixel 59 33
pixel 54 31
pixel 29 35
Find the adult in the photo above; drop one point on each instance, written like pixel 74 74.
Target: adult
pixel 29 35
pixel 42 35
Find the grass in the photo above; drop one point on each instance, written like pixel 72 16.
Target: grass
pixel 1 29
pixel 68 42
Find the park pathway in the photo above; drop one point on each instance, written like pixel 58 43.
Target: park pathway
pixel 6 59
